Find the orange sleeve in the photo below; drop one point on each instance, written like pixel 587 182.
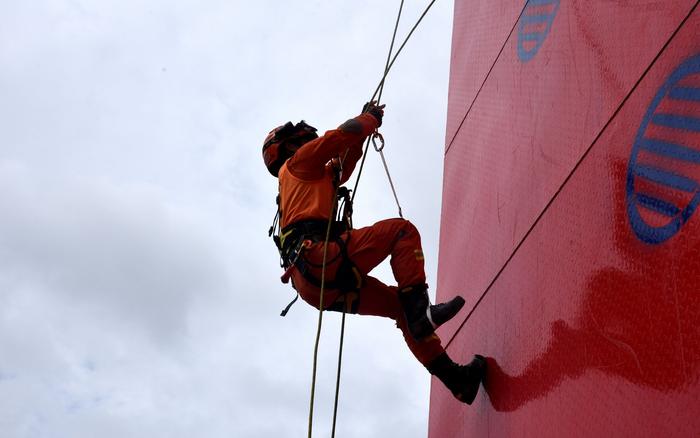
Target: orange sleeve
pixel 309 162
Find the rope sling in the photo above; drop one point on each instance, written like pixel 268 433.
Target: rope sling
pixel 378 148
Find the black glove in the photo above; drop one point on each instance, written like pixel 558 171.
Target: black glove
pixel 376 110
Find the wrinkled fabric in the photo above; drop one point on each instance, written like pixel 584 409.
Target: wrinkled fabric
pixel 306 180
pixel 367 247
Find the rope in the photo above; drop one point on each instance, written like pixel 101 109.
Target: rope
pixel 398 52
pixel 320 315
pixel 488 74
pixel 380 87
pixel 391 49
pixel 342 324
pixel 386 168
pixel 379 90
pixel 379 98
pixel 340 362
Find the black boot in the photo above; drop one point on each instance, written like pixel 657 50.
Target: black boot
pixel 415 303
pixel 423 318
pixel 443 312
pixel 462 380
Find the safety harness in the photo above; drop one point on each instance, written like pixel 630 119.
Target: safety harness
pixel 391 57
pixel 294 239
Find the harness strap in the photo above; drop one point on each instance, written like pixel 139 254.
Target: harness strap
pixel 290 242
pixel 347 278
pixel 289 306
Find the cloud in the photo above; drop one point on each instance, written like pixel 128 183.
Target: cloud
pixel 139 292
pixel 121 251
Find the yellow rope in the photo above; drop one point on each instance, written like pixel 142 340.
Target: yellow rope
pixel 320 315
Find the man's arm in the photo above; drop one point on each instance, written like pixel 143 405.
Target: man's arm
pixel 310 160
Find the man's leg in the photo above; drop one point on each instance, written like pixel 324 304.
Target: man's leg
pixel 399 239
pixel 378 299
pixel 369 246
pixel 463 381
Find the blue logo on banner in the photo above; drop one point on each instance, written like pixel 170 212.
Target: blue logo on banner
pixel 534 26
pixel 657 190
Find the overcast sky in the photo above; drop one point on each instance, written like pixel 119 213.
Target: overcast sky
pixel 139 292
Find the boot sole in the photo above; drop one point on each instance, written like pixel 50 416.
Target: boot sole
pixel 456 305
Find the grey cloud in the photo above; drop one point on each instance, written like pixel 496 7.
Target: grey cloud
pixel 121 249
pixel 139 292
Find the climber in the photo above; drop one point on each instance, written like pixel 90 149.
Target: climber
pixel 311 171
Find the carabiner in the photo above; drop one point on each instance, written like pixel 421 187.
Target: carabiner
pixel 376 135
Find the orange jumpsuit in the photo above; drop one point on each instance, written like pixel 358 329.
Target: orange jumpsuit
pixel 307 193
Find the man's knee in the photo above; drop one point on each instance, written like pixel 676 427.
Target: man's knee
pixel 402 227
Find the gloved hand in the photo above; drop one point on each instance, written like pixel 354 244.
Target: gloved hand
pixel 376 110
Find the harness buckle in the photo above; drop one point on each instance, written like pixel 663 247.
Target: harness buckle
pixel 303 244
